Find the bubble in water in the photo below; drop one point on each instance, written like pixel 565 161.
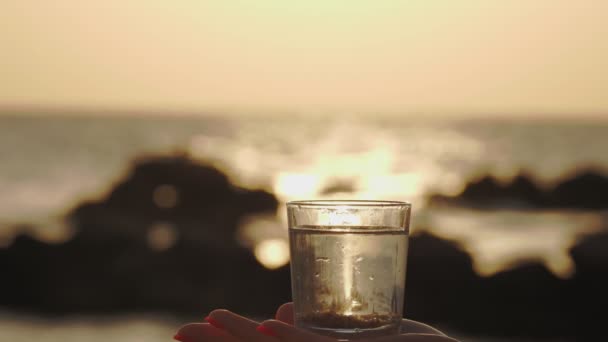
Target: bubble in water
pixel 371 277
pixel 359 259
pixel 322 259
pixel 317 275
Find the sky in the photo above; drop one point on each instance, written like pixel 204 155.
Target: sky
pixel 458 58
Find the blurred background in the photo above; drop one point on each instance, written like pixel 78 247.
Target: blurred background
pixel 147 149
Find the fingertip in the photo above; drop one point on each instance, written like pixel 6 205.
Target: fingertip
pixel 197 331
pixel 216 317
pixel 266 331
pixel 217 312
pixel 285 313
pixel 270 322
pixel 275 325
pixel 187 328
pixel 214 322
pixel 238 326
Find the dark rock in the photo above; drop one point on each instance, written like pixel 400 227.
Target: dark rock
pixel 587 289
pixel 528 301
pixel 488 193
pixel 481 189
pixel 587 190
pixel 338 186
pixel 438 274
pixel 524 190
pixel 177 186
pixel 110 265
pixel 197 200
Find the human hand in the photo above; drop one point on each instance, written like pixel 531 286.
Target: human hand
pixel 226 326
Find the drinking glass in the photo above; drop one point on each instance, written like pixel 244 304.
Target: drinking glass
pixel 348 262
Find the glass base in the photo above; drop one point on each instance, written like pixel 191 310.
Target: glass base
pixel 355 334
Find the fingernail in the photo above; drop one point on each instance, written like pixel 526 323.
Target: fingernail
pixel 214 322
pixel 266 330
pixel 179 337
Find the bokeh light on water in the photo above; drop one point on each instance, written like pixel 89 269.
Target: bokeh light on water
pixel 363 160
pixel 503 240
pixel 372 159
pixel 312 159
pixel 272 253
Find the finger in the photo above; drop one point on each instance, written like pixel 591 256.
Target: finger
pixel 413 327
pixel 202 332
pixel 286 332
pixel 238 326
pixel 413 338
pixel 285 313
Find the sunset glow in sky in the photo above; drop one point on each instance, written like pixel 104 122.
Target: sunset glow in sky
pixel 447 57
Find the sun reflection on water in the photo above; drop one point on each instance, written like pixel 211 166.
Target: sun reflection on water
pixel 296 185
pixel 378 162
pixel 353 160
pixel 500 241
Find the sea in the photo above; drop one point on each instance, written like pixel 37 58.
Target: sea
pixel 51 163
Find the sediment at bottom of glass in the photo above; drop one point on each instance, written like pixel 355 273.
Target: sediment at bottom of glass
pixel 350 327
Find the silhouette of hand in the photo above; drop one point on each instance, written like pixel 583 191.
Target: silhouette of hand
pixel 226 326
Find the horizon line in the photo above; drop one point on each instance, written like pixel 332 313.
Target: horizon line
pixel 277 112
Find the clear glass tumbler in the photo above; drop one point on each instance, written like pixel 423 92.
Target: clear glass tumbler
pixel 348 261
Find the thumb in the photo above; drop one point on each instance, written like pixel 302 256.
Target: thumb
pixel 285 313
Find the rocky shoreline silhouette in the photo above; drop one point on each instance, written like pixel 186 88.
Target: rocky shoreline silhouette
pixel 110 264
pixel 585 190
pixel 527 301
pixel 163 240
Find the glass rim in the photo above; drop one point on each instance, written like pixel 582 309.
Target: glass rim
pixel 349 203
